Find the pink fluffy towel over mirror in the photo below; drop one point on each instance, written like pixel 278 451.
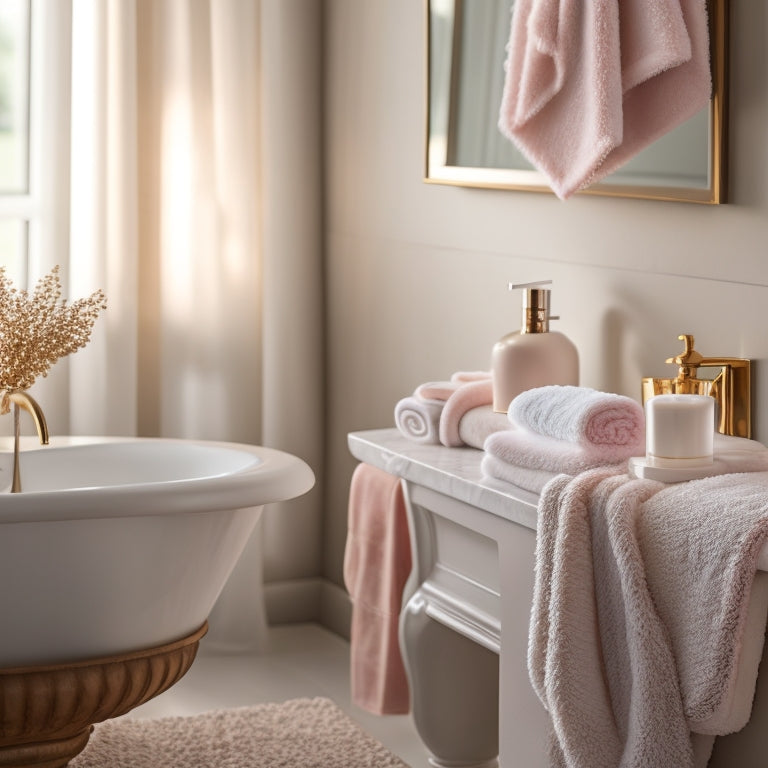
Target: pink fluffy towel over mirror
pixel 588 85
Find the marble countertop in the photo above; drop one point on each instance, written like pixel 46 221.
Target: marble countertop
pixel 454 472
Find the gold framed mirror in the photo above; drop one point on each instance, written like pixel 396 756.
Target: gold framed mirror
pixel 466 42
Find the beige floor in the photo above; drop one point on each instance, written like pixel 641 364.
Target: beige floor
pixel 301 660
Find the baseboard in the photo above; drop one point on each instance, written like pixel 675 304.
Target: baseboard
pixel 335 608
pixel 309 599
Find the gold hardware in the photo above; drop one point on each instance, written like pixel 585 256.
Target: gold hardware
pixel 731 387
pixel 21 399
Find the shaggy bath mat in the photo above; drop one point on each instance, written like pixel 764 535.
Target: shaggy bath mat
pixel 301 733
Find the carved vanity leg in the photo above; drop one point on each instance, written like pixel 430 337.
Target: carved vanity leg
pixel 454 690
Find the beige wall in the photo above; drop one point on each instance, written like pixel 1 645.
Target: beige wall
pixel 417 273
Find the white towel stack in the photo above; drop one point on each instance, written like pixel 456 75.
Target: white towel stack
pixel 563 429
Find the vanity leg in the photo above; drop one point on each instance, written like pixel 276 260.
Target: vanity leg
pixel 454 690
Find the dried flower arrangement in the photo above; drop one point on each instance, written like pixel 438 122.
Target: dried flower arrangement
pixel 38 329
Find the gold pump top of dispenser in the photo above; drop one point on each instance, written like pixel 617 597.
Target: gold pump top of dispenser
pixel 536 315
pixel 731 387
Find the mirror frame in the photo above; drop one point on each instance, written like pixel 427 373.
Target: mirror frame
pixel 533 181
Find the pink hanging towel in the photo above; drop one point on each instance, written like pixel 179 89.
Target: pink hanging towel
pixel 588 85
pixel 561 103
pixel 666 74
pixel 377 562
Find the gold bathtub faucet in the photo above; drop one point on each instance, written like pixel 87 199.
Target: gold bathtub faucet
pixel 731 387
pixel 21 399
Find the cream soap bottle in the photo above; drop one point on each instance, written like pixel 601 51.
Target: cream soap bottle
pixel 534 356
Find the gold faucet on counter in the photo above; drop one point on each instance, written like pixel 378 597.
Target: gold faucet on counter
pixel 21 399
pixel 731 387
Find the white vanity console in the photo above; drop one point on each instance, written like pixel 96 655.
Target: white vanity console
pixel 464 623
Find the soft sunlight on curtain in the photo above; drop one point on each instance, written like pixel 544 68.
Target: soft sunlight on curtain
pixel 205 85
pixel 195 204
pixel 103 213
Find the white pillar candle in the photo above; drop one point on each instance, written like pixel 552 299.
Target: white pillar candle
pixel 680 429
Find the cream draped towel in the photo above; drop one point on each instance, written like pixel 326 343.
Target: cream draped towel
pixel 640 615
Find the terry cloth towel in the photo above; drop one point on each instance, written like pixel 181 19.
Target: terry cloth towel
pixel 436 390
pixel 442 390
pixel 419 419
pixel 418 416
pixel 605 423
pixel 660 95
pixel 528 479
pixel 714 529
pixel 477 424
pixel 468 396
pixel 377 562
pixel 738 454
pixel 530 460
pixel 655 583
pixel 588 85
pixel 599 658
pixel 732 454
pixel 464 376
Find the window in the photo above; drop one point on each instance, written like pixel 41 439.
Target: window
pixel 15 205
pixel 34 134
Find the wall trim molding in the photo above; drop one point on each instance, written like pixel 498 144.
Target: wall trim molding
pixel 314 599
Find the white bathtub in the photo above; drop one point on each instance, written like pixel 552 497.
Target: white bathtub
pixel 117 545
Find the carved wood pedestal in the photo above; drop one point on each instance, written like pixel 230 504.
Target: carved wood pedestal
pixel 47 712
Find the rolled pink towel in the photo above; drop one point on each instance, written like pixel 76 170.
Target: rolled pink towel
pixel 468 396
pixel 601 420
pixel 436 390
pixel 443 390
pixel 464 376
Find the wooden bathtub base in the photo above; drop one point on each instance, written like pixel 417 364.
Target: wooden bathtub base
pixel 47 713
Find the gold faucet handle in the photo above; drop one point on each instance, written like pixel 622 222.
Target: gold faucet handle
pixel 689 357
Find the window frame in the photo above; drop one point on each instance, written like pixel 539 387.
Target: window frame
pixel 44 207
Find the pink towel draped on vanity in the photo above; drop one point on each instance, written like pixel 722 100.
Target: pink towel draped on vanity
pixel 590 84
pixel 377 563
pixel 643 628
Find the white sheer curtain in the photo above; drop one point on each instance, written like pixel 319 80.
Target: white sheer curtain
pixel 195 204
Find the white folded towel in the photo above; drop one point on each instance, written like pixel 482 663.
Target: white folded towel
pixel 529 461
pixel 528 479
pixel 602 421
pixel 527 449
pixel 419 419
pixel 738 454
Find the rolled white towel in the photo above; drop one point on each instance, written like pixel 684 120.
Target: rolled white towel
pixel 419 419
pixel 581 415
pixel 478 423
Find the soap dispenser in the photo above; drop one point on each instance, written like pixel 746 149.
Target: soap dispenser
pixel 534 356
